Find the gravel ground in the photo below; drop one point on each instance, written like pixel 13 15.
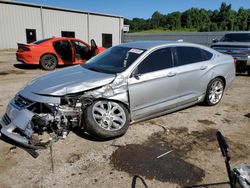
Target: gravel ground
pixel 80 161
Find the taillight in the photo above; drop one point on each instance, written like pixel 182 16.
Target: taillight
pixel 26 49
pixel 23 49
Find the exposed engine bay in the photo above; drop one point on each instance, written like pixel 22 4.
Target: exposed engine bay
pixel 35 118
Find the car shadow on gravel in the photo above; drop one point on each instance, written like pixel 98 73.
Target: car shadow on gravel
pixel 26 67
pixel 32 67
pixel 84 135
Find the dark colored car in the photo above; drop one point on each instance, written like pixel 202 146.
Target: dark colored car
pixel 236 44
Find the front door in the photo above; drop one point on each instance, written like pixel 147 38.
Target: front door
pixel 153 85
pixel 81 52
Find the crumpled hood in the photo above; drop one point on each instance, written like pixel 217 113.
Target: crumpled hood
pixel 68 80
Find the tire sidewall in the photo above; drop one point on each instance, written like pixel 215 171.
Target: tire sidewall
pixel 95 130
pixel 48 68
pixel 207 101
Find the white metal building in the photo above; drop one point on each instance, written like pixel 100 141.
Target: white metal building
pixel 24 22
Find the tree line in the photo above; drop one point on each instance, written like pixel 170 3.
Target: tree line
pixel 224 19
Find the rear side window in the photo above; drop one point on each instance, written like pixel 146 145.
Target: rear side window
pixel 206 55
pixel 42 41
pixel 188 55
pixel 157 60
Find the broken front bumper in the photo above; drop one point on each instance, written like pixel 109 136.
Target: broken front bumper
pixel 15 124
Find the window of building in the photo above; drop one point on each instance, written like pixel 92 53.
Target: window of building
pixel 69 34
pixel 188 55
pixel 30 35
pixel 157 60
pixel 106 40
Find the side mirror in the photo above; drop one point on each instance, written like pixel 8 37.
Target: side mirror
pixel 93 44
pixel 136 74
pixel 215 40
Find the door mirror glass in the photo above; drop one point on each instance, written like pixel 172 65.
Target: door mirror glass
pixel 136 74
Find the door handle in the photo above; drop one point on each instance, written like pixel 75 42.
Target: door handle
pixel 171 74
pixel 203 67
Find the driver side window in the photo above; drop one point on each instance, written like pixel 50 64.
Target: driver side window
pixel 157 60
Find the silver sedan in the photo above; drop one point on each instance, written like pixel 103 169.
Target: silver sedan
pixel 127 83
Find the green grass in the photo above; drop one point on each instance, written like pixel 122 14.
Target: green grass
pixel 161 30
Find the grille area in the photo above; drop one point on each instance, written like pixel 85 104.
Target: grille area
pixel 22 102
pixel 6 119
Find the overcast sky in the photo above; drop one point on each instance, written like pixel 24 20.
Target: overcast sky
pixel 139 8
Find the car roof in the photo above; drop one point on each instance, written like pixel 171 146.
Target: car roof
pixel 53 39
pixel 64 38
pixel 152 44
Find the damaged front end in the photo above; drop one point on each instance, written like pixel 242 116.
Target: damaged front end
pixel 29 115
pixel 25 119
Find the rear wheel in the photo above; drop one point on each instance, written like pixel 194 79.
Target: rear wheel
pixel 48 62
pixel 106 119
pixel 214 93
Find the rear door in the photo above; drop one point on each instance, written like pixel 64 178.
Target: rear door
pixel 63 49
pixel 192 66
pixel 153 85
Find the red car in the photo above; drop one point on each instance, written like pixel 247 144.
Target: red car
pixel 48 53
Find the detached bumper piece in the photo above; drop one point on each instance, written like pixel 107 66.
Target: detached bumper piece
pixel 16 122
pixel 16 133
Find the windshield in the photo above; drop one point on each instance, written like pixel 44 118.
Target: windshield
pixel 113 60
pixel 236 37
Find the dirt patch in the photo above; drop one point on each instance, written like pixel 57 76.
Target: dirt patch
pixel 225 120
pixel 141 159
pixel 73 158
pixel 11 72
pixel 206 122
pixel 7 160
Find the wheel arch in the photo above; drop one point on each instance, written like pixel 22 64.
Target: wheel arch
pixel 222 78
pixel 115 100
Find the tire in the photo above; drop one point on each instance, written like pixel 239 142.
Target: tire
pixel 214 93
pixel 48 62
pixel 106 119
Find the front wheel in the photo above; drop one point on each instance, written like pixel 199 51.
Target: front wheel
pixel 48 62
pixel 106 119
pixel 214 93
